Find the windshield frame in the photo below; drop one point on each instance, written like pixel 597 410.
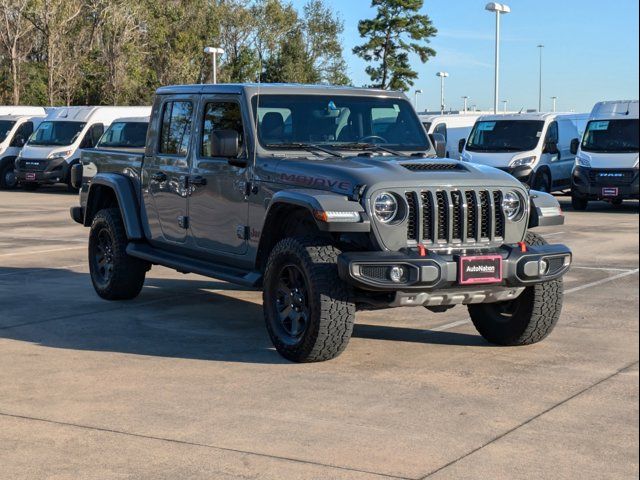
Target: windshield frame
pixel 471 147
pixel 72 141
pixel 339 146
pixel 11 125
pixel 585 148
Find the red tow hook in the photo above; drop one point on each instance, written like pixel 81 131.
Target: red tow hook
pixel 422 250
pixel 523 247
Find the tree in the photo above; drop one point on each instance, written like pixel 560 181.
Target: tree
pixel 13 32
pixel 292 63
pixel 397 31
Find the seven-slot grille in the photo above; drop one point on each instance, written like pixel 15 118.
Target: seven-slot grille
pixel 454 216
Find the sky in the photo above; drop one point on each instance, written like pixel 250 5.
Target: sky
pixel 590 52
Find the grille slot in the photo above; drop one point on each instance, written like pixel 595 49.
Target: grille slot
pixel 412 219
pixel 427 216
pixel 443 215
pixel 458 215
pixel 485 214
pixel 375 272
pixel 472 214
pixel 497 201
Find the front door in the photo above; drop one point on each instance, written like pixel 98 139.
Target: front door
pixel 218 208
pixel 166 169
pixel 552 157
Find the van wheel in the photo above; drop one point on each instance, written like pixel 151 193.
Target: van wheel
pixel 8 180
pixel 578 203
pixel 542 182
pixel 307 309
pixel 525 320
pixel 114 274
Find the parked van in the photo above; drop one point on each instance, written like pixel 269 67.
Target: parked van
pixel 126 134
pixel 22 110
pixel 452 127
pixel 55 146
pixel 15 130
pixel 541 141
pixel 606 164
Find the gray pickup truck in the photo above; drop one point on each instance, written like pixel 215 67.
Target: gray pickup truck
pixel 331 200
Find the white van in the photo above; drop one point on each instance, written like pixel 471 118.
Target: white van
pixel 126 134
pixel 606 163
pixel 541 141
pixel 23 110
pixel 452 127
pixel 15 130
pixel 55 146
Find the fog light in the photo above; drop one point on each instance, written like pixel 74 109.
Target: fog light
pixel 543 267
pixel 396 274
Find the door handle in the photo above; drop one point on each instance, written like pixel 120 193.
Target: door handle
pixel 197 180
pixel 159 177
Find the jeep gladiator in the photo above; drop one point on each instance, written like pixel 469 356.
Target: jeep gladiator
pixel 330 200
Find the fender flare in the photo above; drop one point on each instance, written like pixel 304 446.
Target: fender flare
pixel 545 210
pixel 125 194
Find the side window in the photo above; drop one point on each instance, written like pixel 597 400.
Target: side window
pixel 220 116
pixel 92 136
pixel 175 131
pixel 552 133
pixel 441 128
pixel 22 134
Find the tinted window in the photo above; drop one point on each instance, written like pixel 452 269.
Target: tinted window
pixel 125 135
pixel 57 133
pixel 5 128
pixel 337 121
pixel 175 131
pixel 220 116
pixel 505 136
pixel 613 136
pixel 92 136
pixel 552 133
pixel 22 134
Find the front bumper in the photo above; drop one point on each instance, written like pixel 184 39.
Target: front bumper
pixel 55 170
pixel 598 184
pixel 434 278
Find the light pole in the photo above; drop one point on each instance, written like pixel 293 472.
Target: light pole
pixel 498 9
pixel 554 100
pixel 504 106
pixel 442 76
pixel 415 101
pixel 540 47
pixel 214 52
pixel 466 103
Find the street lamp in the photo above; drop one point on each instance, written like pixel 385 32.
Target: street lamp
pixel 540 47
pixel 504 106
pixel 214 52
pixel 498 9
pixel 466 103
pixel 442 76
pixel 415 101
pixel 554 100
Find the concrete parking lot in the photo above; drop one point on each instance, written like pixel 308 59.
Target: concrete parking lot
pixel 183 382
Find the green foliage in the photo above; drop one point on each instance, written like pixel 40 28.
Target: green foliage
pixel 397 31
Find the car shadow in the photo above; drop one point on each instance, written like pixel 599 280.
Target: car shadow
pixel 177 318
pixel 628 206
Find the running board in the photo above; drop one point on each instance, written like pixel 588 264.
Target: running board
pixel 190 265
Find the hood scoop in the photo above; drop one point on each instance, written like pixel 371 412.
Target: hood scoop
pixel 435 167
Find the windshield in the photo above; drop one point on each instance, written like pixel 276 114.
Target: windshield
pixel 125 135
pixel 5 128
pixel 56 133
pixel 611 136
pixel 288 121
pixel 505 136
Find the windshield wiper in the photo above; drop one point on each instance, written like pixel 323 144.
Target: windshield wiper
pixel 368 147
pixel 305 146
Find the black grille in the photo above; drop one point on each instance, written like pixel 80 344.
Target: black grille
pixel 432 167
pixel 555 265
pixel 455 216
pixel 375 272
pixel 28 165
pixel 611 177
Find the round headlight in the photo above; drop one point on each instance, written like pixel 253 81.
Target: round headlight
pixel 385 207
pixel 512 205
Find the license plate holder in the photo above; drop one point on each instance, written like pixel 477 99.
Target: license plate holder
pixel 610 192
pixel 482 269
pixel 30 176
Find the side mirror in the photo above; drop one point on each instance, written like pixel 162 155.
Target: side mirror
pixel 575 144
pixel 227 145
pixel 440 144
pixel 76 176
pixel 522 173
pixel 461 145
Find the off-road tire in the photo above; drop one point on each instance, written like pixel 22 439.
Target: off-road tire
pixel 535 315
pixel 579 204
pixel 5 169
pixel 331 311
pixel 128 273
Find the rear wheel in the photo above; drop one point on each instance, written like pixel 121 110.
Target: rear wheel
pixel 525 320
pixel 114 274
pixel 307 309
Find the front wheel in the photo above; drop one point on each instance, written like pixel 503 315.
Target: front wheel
pixel 525 320
pixel 578 203
pixel 307 309
pixel 8 180
pixel 542 182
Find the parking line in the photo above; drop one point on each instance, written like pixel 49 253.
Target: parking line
pixel 604 269
pixel 458 323
pixel 15 254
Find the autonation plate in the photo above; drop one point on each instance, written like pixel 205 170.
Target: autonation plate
pixel 482 269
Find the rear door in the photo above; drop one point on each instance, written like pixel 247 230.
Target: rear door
pixel 218 207
pixel 166 168
pixel 552 158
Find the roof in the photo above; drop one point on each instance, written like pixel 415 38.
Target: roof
pixel 530 116
pixel 14 118
pixel 250 89
pixel 615 109
pixel 145 119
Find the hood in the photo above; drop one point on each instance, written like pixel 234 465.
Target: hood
pixel 347 175
pixel 495 159
pixel 610 160
pixel 43 152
